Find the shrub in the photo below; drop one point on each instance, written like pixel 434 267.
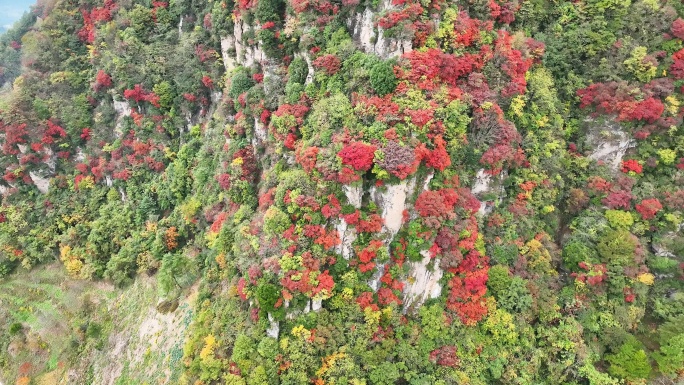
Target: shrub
pixel 670 358
pixel 382 78
pixel 297 71
pixel 268 296
pixel 275 221
pixel 269 10
pixel 499 279
pixel 15 328
pixel 240 84
pixel 619 219
pixel 617 246
pixel 629 362
pixel 577 251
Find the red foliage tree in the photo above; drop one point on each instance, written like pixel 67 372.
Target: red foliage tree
pixel 445 356
pixel 593 275
pixel 373 224
pixel 466 296
pixel 631 165
pixel 439 204
pixel 677 67
pixel 52 133
pixel 330 64
pixel 368 255
pixel 102 81
pixel 648 110
pixel 208 82
pixel 136 93
pixel 358 155
pixel 678 28
pixel 332 208
pixel 365 300
pixel 438 158
pixel 648 208
pixel 218 222
pixel 86 134
pixel 325 283
pixel 307 158
pixel 618 199
pixel 429 69
pixel 598 185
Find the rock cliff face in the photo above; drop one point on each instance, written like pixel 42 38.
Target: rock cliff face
pixel 371 38
pixel 609 143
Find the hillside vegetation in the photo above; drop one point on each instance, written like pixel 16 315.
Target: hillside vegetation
pixel 342 192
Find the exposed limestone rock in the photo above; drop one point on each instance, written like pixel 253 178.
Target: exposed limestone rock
pixel 310 75
pixel 354 195
pixel 609 142
pixel 259 134
pixel 316 304
pixel 485 184
pixel 347 237
pixel 246 55
pixel 374 283
pixel 41 183
pixel 363 31
pixel 426 184
pixel 393 204
pixel 272 80
pixel 228 45
pixel 423 283
pixel 663 246
pixel 292 314
pixel 372 40
pixel 389 48
pixel 482 182
pixel 274 329
pixel 216 97
pixel 122 110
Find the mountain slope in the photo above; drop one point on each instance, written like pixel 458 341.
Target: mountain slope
pixel 387 192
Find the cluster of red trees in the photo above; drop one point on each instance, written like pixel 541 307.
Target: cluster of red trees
pixel 309 282
pixel 358 155
pixel 292 119
pixel 102 81
pixel 328 63
pixel 93 17
pixel 138 94
pixel 617 98
pixel 593 274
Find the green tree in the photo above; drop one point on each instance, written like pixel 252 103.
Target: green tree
pixel 499 279
pixel 240 83
pixel 630 361
pixel 382 77
pixel 670 357
pixel 166 94
pixel 617 247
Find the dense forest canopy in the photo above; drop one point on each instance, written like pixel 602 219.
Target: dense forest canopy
pixel 343 192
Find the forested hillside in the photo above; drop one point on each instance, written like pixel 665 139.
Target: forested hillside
pixel 355 192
